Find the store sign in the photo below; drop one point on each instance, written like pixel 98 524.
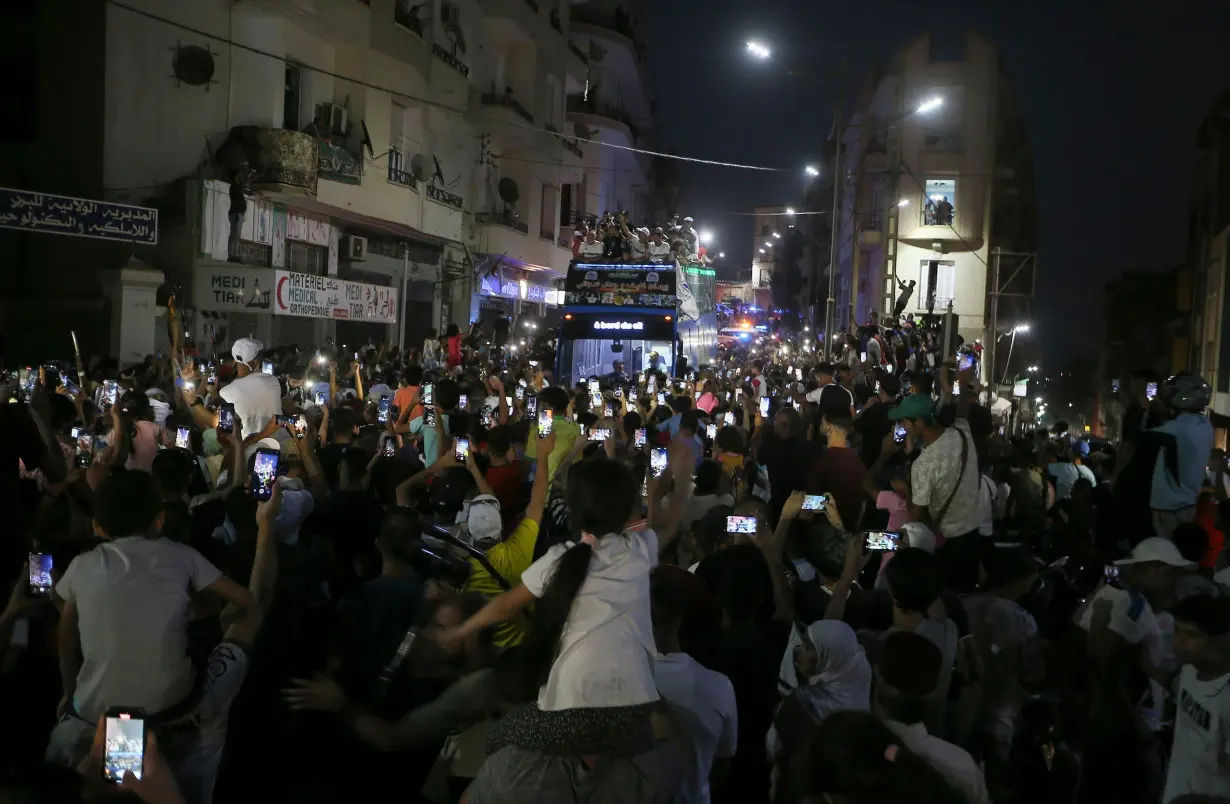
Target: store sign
pixel 621 285
pixel 329 297
pixel 625 326
pixel 77 217
pixel 233 288
pixel 1020 389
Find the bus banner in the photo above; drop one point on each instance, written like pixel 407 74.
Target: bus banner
pixel 620 285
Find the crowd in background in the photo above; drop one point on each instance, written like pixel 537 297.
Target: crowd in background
pixel 777 578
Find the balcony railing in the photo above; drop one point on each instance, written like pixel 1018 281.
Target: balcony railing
pixel 504 218
pixel 397 172
pixel 450 59
pixel 568 143
pixel 442 196
pixel 579 104
pixel 938 214
pixel 508 101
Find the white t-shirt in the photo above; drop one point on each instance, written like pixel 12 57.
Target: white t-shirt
pixel 1200 760
pixel 592 250
pixel 934 474
pixel 257 399
pixel 705 700
pixel 607 650
pixel 132 600
pixel 1133 619
pixel 987 493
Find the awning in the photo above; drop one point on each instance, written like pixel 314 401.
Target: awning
pixel 539 273
pixel 313 207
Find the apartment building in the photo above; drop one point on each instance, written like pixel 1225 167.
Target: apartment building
pixel 611 104
pixel 1202 300
pixel 398 160
pixel 936 173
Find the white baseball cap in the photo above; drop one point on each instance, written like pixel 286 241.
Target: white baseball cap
pixel 483 521
pixel 246 350
pixel 1156 549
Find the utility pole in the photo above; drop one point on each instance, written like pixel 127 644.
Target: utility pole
pixel 830 309
pixel 988 369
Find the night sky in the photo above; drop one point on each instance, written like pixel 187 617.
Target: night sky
pixel 1111 94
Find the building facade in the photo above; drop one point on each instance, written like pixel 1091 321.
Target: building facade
pixel 1202 336
pixel 930 188
pixel 401 163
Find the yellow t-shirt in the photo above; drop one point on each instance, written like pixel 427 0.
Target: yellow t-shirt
pixel 566 433
pixel 510 558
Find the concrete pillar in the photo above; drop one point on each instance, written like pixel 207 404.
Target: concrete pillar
pixel 133 291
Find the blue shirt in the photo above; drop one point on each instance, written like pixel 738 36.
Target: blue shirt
pixel 1193 434
pixel 431 439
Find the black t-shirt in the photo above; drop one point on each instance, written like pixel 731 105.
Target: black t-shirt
pixel 330 457
pixel 873 426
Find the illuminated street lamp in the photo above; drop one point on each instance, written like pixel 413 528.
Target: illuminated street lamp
pixel 777 234
pixel 905 202
pixel 759 51
pixel 789 210
pixel 929 105
pixel 811 170
pixel 706 236
pixel 722 255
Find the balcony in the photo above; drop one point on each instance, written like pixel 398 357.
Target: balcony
pixel 604 115
pixel 508 102
pixel 397 170
pixel 280 160
pixel 505 218
pixel 613 23
pixel 451 60
pixel 338 164
pixel 442 196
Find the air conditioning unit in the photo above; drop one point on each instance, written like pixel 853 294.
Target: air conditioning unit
pixel 354 249
pixel 335 116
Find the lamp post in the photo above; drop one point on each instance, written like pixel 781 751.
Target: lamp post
pixel 1011 343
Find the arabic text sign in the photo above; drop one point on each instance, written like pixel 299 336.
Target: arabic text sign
pixel 78 217
pixel 329 297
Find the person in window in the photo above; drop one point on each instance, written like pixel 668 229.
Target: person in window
pixel 236 212
pixel 943 212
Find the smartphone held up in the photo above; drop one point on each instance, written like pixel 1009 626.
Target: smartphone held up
pixel 123 744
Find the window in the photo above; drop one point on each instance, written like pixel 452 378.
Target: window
pixel 292 97
pixel 555 104
pixel 545 230
pixel 945 283
pixel 566 211
pixel 306 258
pixel 940 207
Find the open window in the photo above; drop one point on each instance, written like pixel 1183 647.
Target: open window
pixel 940 204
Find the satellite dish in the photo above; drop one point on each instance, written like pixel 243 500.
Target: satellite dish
pixel 509 191
pixel 420 166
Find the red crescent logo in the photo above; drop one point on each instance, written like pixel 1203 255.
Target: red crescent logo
pixel 281 282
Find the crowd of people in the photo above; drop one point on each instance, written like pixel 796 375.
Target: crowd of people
pixel 609 240
pixel 774 579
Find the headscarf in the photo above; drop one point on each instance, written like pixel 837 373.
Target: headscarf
pixel 843 674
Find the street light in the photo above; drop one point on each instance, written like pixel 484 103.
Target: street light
pixel 768 244
pixel 929 105
pixel 1032 369
pixel 1038 399
pixel 789 210
pixel 706 236
pixel 777 234
pixel 1018 328
pixel 722 255
pixel 759 51
pixel 905 202
pixel 811 170
pixel 762 251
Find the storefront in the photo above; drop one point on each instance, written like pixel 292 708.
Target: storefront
pixel 515 293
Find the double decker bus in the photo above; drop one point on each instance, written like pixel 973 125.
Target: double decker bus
pixel 641 314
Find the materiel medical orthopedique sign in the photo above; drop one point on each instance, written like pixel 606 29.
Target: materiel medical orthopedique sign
pixel 329 297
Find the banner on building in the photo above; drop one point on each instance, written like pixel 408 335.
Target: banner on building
pixel 78 217
pixel 311 296
pixel 233 288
